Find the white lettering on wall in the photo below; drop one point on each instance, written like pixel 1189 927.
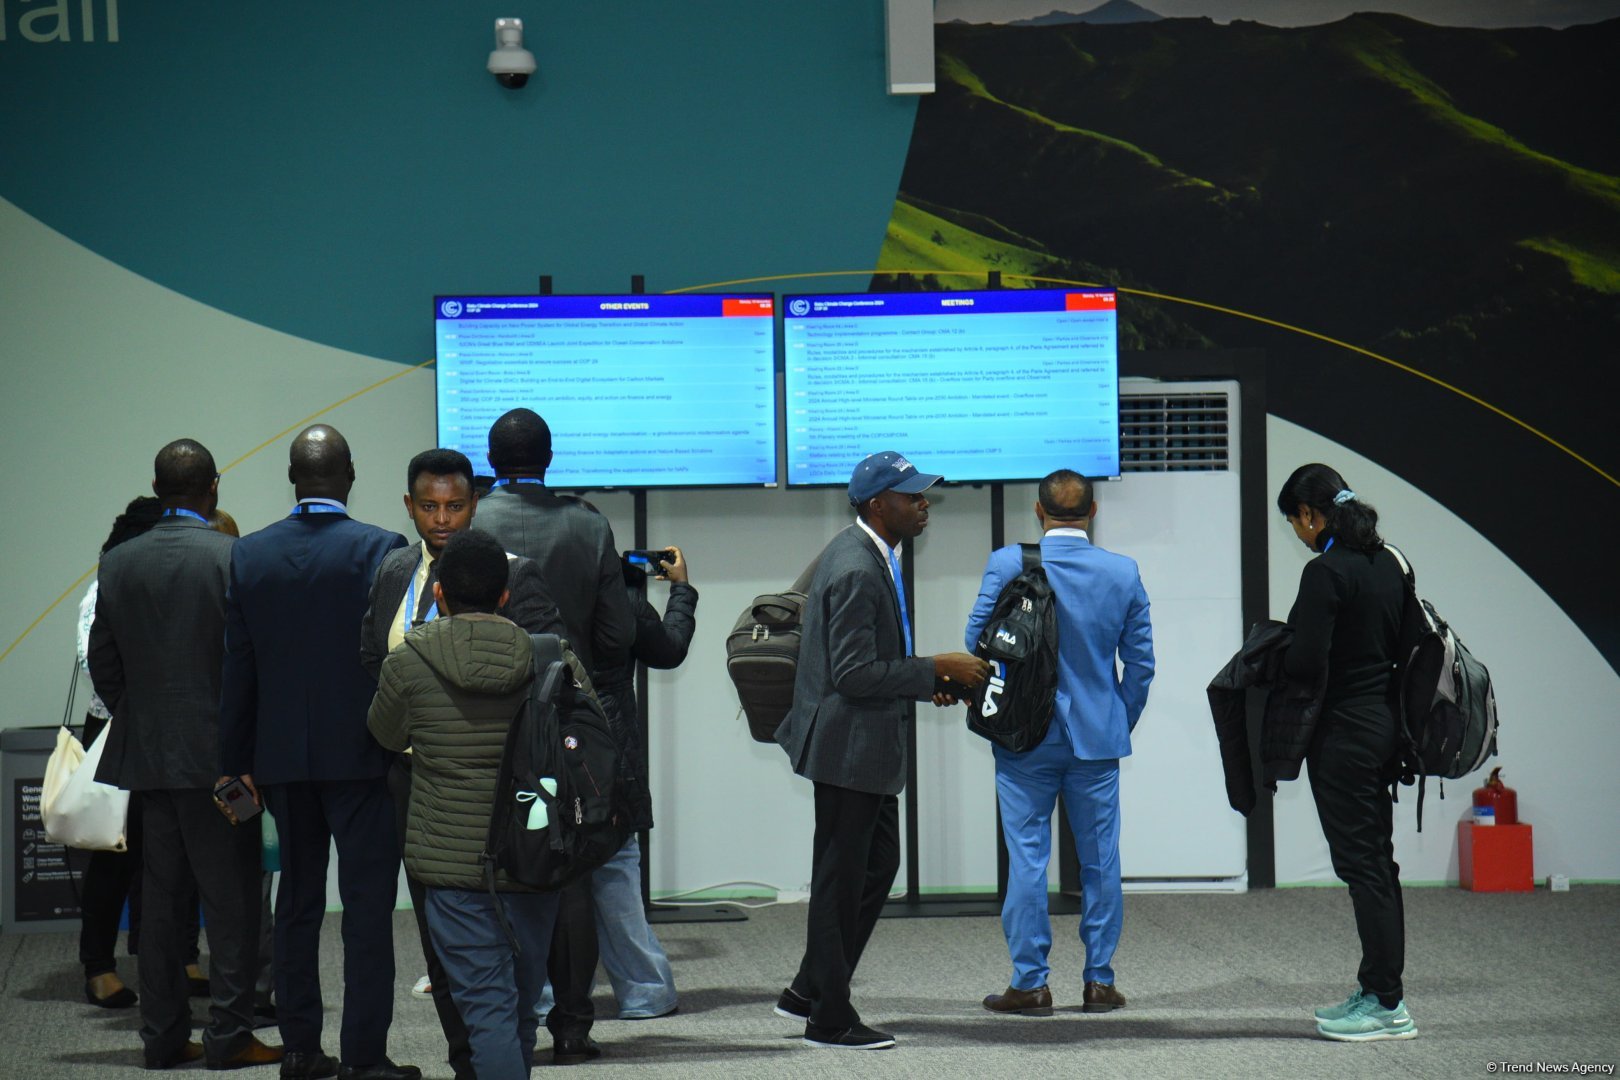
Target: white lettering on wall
pixel 51 20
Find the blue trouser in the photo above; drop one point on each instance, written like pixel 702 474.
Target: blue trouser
pixel 1028 786
pixel 643 983
pixel 494 988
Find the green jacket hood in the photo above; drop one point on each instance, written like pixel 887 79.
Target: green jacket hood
pixel 478 654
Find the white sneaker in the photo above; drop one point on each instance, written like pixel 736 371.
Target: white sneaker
pixel 423 987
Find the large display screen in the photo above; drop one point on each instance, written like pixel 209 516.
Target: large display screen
pixel 1003 385
pixel 639 391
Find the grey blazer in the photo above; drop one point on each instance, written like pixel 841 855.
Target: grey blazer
pixel 529 605
pixel 847 723
pixel 156 651
pixel 578 563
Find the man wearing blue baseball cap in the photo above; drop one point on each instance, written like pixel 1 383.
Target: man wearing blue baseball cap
pixel 845 733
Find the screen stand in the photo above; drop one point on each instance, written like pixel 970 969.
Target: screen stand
pixel 914 904
pixel 662 913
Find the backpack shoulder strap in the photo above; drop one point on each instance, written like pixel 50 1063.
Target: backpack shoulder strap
pixel 801 584
pixel 1030 554
pixel 1406 567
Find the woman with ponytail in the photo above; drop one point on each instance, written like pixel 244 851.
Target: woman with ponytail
pixel 1347 624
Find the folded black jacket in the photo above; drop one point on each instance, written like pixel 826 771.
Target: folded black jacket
pixel 1291 713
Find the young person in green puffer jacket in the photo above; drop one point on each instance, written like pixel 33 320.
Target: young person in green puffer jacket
pixel 449 692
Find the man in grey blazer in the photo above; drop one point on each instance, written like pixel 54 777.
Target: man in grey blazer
pixel 846 734
pixel 155 656
pixel 579 564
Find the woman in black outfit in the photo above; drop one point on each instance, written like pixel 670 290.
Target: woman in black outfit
pixel 1347 621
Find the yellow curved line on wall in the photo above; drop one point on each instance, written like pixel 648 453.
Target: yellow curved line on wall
pixel 1459 391
pixel 1481 402
pixel 283 433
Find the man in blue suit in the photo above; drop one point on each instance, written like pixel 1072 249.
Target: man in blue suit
pixel 293 727
pixel 1102 613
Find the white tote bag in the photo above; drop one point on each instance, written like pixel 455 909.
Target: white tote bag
pixel 76 810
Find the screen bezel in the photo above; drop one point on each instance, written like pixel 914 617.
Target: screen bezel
pixel 947 481
pixel 778 447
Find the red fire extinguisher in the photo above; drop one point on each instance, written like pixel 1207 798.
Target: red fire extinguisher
pixel 1496 803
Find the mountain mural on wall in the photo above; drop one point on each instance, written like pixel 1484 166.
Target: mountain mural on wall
pixel 1113 12
pixel 1447 198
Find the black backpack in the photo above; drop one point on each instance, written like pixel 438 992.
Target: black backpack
pixel 1448 707
pixel 1013 707
pixel 560 734
pixel 762 654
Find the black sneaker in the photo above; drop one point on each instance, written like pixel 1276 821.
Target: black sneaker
pixel 859 1037
pixel 792 1006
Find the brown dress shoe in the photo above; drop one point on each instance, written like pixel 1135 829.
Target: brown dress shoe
pixel 254 1053
pixel 1036 1002
pixel 1102 997
pixel 188 1053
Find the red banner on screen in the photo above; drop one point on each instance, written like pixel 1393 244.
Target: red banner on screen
pixel 1082 301
pixel 756 305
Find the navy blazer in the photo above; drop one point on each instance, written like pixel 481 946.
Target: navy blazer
pixel 854 679
pixel 294 701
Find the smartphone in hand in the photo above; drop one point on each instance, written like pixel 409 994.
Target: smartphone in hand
pixel 235 801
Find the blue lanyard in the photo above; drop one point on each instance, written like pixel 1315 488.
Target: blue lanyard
pixel 1327 547
pixel 175 511
pixel 410 608
pixel 505 480
pixel 900 594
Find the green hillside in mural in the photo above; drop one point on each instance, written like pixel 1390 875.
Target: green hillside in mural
pixel 1448 196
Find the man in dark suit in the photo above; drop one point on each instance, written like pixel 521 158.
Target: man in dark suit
pixel 440 501
pixel 155 656
pixel 579 564
pixel 293 724
pixel 846 733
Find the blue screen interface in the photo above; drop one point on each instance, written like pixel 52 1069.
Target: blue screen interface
pixel 639 391
pixel 1002 385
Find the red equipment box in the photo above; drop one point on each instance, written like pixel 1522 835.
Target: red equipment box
pixel 1495 858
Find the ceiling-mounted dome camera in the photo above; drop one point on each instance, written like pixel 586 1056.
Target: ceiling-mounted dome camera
pixel 510 63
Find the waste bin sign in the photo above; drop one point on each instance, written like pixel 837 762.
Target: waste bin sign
pixel 41 880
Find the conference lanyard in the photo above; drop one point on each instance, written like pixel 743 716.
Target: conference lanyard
pixel 410 608
pixel 1327 547
pixel 505 480
pixel 175 511
pixel 324 506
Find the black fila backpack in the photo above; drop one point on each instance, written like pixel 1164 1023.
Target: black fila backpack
pixel 1013 707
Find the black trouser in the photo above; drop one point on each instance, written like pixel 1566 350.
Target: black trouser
pixel 359 816
pixel 110 878
pixel 455 1029
pixel 856 855
pixel 187 841
pixel 1351 764
pixel 571 964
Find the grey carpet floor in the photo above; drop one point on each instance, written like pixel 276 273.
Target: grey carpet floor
pixel 1218 986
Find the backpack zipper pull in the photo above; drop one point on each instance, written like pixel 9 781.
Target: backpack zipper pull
pixel 579 812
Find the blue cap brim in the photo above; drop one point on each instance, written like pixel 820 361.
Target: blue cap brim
pixel 917 482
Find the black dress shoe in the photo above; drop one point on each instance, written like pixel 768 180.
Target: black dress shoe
pixel 122 998
pixel 191 1051
pixel 792 1006
pixel 307 1065
pixel 383 1070
pixel 575 1051
pixel 859 1037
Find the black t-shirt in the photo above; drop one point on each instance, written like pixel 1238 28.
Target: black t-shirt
pixel 1347 618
